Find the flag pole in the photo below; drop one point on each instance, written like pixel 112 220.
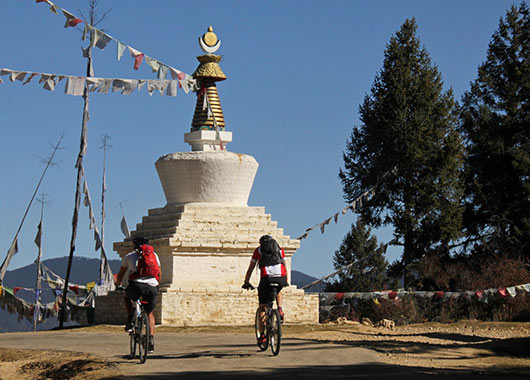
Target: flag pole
pixel 103 258
pixel 80 174
pixel 13 248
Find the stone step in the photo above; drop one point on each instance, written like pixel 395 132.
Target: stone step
pixel 182 218
pixel 210 225
pixel 228 235
pixel 207 209
pixel 162 218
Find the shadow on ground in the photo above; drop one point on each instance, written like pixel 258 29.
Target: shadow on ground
pixel 513 347
pixel 372 371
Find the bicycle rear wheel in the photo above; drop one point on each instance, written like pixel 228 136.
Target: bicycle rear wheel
pixel 262 346
pixel 143 337
pixel 275 331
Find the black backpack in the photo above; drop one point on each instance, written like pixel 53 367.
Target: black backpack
pixel 270 252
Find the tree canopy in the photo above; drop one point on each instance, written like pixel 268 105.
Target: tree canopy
pixel 408 148
pixel 495 120
pixel 368 265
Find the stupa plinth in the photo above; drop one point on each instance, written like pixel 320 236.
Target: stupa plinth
pixel 206 233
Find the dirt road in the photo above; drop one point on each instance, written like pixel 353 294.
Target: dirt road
pixel 330 352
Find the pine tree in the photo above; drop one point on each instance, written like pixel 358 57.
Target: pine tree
pixel 496 124
pixel 408 148
pixel 368 272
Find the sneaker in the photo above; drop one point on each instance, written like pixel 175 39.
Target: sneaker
pixel 282 315
pixel 262 339
pixel 129 325
pixel 151 347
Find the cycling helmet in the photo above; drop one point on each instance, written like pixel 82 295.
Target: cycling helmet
pixel 139 241
pixel 264 238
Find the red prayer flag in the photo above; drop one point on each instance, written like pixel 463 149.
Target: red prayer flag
pixel 439 294
pixel 180 77
pixel 15 290
pixel 502 292
pixel 479 293
pixel 42 1
pixel 74 21
pixel 392 295
pixel 138 60
pixel 74 288
pixel 339 296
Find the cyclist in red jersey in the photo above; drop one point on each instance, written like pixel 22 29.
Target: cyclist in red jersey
pixel 272 271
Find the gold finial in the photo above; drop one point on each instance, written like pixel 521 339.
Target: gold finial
pixel 209 41
pixel 210 38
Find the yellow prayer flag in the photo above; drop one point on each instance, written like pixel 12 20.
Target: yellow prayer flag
pixel 90 286
pixel 376 301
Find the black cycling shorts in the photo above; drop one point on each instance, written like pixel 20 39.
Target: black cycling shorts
pixel 149 294
pixel 266 291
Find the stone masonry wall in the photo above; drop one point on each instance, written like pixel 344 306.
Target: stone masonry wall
pixel 213 308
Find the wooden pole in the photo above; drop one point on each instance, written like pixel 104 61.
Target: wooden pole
pixel 80 174
pixel 5 264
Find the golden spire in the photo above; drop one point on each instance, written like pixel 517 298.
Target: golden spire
pixel 207 73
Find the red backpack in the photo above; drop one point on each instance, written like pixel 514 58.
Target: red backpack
pixel 147 263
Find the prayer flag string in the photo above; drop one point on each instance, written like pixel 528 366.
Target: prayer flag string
pixel 100 39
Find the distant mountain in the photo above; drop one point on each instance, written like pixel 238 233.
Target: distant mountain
pixel 301 279
pixel 84 270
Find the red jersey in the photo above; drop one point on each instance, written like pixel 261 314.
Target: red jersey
pixel 278 270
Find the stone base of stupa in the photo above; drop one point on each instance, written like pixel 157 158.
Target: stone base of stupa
pixel 205 250
pixel 235 307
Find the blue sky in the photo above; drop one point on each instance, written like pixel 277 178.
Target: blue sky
pixel 297 72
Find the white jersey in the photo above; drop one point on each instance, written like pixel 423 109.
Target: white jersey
pixel 130 261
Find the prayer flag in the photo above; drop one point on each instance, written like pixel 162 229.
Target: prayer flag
pixel 138 57
pixel 71 20
pixel 162 72
pixel 121 49
pixel 10 253
pixel 30 78
pixel 54 8
pixel 39 235
pixel 153 63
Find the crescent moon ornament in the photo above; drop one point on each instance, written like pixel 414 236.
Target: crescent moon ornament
pixel 209 49
pixel 209 42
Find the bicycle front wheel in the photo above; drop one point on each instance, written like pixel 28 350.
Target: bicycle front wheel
pixel 263 345
pixel 275 332
pixel 132 337
pixel 143 337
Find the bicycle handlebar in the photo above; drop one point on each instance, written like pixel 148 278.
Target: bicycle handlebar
pixel 248 286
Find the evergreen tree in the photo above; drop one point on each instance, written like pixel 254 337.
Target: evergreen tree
pixel 409 149
pixel 368 272
pixel 496 124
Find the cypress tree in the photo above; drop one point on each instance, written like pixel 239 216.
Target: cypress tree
pixel 496 123
pixel 408 148
pixel 368 270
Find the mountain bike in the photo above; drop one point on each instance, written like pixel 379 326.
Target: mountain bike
pixel 139 335
pixel 273 324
